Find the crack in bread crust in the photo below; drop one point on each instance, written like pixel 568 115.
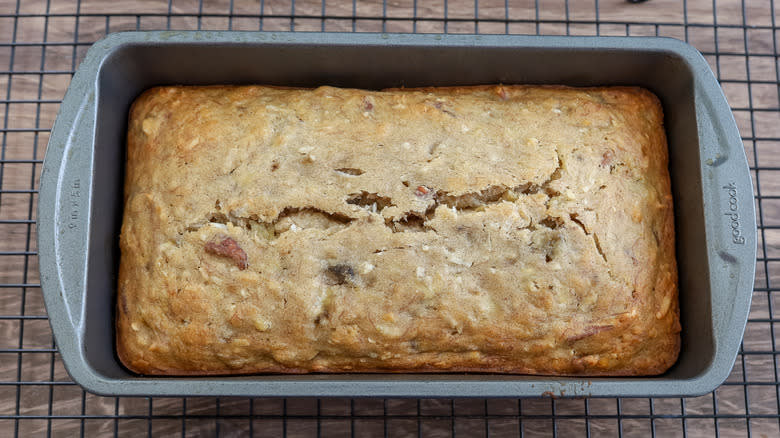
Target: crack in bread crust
pixel 474 201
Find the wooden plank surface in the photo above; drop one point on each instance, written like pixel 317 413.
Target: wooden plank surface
pixel 34 77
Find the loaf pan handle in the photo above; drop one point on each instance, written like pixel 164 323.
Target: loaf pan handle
pixel 731 233
pixel 64 208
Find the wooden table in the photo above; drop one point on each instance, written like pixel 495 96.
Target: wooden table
pixel 42 42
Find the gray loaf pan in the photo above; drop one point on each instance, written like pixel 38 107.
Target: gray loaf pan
pixel 80 206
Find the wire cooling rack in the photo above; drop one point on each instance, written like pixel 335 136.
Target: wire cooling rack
pixel 42 43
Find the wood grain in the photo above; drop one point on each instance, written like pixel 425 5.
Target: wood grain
pixel 34 77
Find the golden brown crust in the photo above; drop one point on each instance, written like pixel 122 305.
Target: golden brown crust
pixel 508 229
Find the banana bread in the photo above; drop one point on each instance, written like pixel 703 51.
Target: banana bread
pixel 503 229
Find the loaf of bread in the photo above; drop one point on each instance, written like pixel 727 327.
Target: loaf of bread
pixel 501 229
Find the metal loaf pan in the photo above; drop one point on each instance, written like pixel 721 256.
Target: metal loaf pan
pixel 81 193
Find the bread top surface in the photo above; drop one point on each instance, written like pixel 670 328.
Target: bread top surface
pixel 493 228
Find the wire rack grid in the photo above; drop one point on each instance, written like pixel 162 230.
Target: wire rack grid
pixel 42 43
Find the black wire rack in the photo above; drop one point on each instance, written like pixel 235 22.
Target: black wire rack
pixel 42 43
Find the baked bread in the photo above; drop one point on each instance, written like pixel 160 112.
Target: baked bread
pixel 502 229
